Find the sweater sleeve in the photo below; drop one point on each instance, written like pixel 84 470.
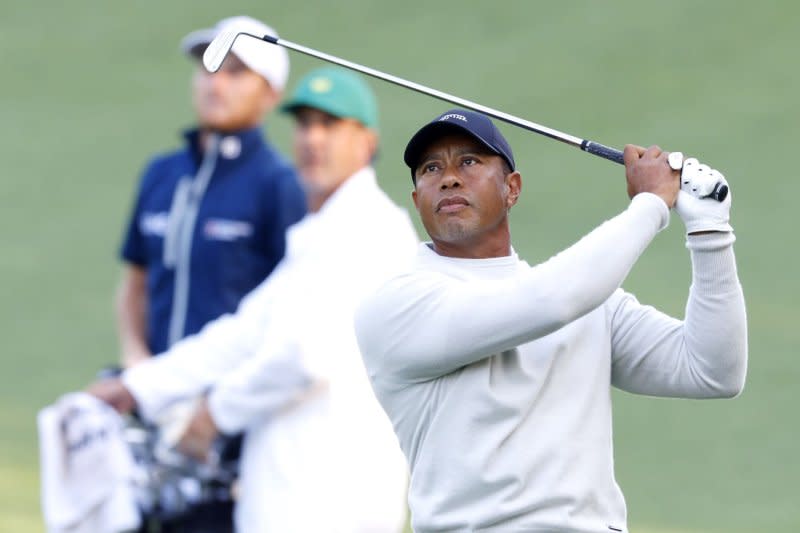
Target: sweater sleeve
pixel 310 345
pixel 425 325
pixel 704 356
pixel 192 365
pixel 269 381
pixel 284 372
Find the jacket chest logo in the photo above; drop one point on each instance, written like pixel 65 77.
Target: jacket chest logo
pixel 220 229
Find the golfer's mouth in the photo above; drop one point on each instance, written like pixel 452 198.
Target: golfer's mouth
pixel 451 204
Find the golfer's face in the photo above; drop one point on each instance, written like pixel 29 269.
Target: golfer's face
pixel 328 149
pixel 231 99
pixel 460 193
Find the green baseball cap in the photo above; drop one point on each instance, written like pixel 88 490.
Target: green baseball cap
pixel 336 91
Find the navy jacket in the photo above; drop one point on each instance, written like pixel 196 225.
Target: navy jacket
pixel 208 227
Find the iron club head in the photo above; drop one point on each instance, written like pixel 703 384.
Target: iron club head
pixel 218 49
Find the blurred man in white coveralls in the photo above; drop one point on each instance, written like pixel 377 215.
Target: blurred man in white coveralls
pixel 319 454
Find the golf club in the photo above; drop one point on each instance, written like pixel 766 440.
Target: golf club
pixel 218 49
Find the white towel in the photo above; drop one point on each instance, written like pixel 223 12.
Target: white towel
pixel 86 468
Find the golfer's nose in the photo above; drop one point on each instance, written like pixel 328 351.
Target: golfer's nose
pixel 450 180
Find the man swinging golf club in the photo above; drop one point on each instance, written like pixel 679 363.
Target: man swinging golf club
pixel 497 375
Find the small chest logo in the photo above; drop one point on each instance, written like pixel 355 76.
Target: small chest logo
pixel 154 224
pixel 220 229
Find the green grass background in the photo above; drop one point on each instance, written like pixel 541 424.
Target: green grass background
pixel 88 90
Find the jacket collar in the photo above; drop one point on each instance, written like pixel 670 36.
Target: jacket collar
pixel 232 145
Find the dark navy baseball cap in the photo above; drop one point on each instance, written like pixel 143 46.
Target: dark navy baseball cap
pixel 476 125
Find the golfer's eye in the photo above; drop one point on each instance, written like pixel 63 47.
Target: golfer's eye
pixel 469 161
pixel 430 167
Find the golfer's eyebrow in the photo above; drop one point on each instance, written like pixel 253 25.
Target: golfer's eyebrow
pixel 429 157
pixel 468 150
pixel 473 150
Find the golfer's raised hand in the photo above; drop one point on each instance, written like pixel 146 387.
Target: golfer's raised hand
pixel 647 170
pixel 700 213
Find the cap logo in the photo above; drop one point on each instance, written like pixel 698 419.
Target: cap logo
pixel 321 85
pixel 453 115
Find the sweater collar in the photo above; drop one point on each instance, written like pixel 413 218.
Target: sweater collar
pixel 493 267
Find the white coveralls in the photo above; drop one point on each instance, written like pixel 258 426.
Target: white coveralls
pixel 319 453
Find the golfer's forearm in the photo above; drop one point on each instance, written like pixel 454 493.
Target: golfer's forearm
pixel 703 356
pixel 191 365
pixel 259 388
pixel 131 309
pixel 715 328
pixel 132 341
pixel 584 275
pixel 297 361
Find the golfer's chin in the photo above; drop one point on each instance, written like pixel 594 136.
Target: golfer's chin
pixel 316 180
pixel 455 229
pixel 223 121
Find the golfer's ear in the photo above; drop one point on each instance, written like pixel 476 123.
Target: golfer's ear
pixel 372 142
pixel 514 188
pixel 414 196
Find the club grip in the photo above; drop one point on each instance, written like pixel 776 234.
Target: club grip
pixel 719 193
pixel 606 152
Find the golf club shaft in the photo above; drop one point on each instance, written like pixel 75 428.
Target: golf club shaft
pixel 606 152
pixel 591 147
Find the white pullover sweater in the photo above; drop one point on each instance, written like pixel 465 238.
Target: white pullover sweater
pixel 497 375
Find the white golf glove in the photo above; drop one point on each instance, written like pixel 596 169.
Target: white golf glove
pixel 698 212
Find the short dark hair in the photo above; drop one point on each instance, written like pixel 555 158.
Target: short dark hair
pixel 506 167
